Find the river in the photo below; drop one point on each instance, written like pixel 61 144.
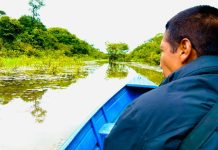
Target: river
pixel 41 113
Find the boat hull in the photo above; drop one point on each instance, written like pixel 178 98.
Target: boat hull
pixel 91 135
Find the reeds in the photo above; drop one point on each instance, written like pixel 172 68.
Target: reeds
pixel 45 65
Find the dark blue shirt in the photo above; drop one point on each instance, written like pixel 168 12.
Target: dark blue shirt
pixel 162 118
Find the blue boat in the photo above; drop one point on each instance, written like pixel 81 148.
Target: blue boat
pixel 91 135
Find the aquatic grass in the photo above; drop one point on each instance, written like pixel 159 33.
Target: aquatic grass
pixel 44 65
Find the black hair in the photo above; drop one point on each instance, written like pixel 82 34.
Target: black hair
pixel 200 25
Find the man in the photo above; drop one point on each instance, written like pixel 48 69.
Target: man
pixel 163 117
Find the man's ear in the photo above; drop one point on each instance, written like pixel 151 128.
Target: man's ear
pixel 186 51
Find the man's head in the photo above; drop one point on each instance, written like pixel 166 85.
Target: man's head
pixel 190 34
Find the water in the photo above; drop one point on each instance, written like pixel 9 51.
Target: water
pixel 40 113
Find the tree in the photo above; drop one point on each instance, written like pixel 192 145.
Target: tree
pixel 39 39
pixel 63 35
pixel 148 52
pixel 2 13
pixel 76 45
pixel 9 28
pixel 29 23
pixel 35 6
pixel 116 50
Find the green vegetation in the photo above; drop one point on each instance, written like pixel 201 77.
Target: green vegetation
pixel 148 52
pixel 30 88
pixel 117 71
pixel 116 51
pixel 34 58
pixel 2 13
pixel 44 65
pixel 28 36
pixel 28 46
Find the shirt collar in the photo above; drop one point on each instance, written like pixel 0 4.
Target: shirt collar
pixel 202 65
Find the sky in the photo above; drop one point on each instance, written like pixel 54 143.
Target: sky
pixel 100 21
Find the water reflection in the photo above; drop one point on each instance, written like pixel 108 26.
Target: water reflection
pixel 120 70
pixel 117 71
pixel 34 96
pixel 31 88
pixel 152 75
pixel 35 114
pixel 38 112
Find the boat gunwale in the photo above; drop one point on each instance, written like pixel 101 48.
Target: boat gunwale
pixel 67 142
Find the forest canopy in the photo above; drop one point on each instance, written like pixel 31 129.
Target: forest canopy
pixel 148 52
pixel 29 36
